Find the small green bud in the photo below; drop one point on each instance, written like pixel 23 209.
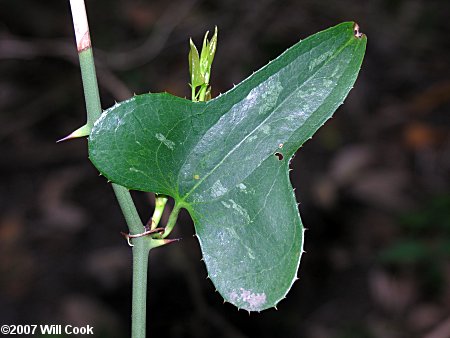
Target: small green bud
pixel 194 66
pixel 200 66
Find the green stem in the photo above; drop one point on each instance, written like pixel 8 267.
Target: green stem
pixel 202 93
pixel 193 98
pixel 142 246
pixel 141 250
pixel 90 86
pixel 160 203
pixel 128 209
pixel 172 220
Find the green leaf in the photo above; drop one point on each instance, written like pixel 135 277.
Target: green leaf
pixel 204 55
pixel 212 47
pixel 194 66
pixel 227 160
pixel 207 55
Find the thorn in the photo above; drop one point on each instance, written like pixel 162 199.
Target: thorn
pixel 171 240
pixel 275 307
pixel 80 132
pixel 249 312
pixel 207 277
pixel 68 137
pixel 160 242
pixel 127 237
pixel 303 251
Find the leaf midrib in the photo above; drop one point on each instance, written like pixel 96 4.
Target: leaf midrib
pixel 200 182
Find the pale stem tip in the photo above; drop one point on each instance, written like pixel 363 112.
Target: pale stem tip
pixel 80 24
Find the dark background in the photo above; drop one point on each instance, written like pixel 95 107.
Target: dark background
pixel 372 184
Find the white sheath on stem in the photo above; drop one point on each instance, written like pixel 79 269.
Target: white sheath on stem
pixel 80 24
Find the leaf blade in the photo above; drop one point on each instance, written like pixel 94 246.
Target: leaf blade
pixel 251 259
pixel 202 154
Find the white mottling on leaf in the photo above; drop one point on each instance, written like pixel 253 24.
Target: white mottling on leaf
pixel 232 233
pixel 335 71
pixel 265 129
pixel 255 301
pixel 136 170
pixel 269 98
pixel 327 83
pixel 240 210
pixel 242 186
pixel 218 189
pixel 251 254
pixel 265 95
pixel 315 62
pixel 294 117
pixel 252 138
pixel 168 143
pixel 234 296
pixel 226 205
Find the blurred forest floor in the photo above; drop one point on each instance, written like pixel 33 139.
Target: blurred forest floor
pixel 373 183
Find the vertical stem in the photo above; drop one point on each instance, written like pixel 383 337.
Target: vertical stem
pixel 142 246
pixel 90 86
pixel 128 209
pixel 202 93
pixel 141 251
pixel 193 93
pixel 84 48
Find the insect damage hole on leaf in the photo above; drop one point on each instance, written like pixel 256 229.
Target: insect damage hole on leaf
pixel 356 31
pixel 279 156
